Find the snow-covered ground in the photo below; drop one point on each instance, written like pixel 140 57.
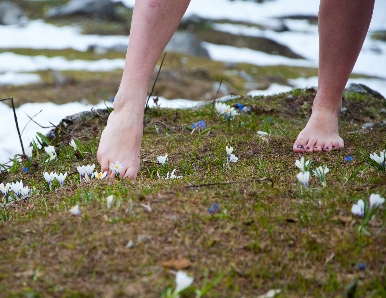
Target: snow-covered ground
pixel 49 112
pixel 302 38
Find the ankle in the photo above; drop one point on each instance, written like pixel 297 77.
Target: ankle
pixel 132 101
pixel 327 105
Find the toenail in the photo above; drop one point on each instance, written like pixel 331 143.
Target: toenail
pixel 307 147
pixel 333 146
pixel 300 146
pixel 326 148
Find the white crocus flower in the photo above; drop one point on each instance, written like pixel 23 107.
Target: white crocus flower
pixel 100 175
pixel 233 158
pixel 73 144
pixel 172 175
pixel 263 135
pixel 380 159
pixel 49 177
pixel 359 208
pixel 220 107
pixel 376 200
pixel 302 165
pixel 303 178
pixel 320 172
pixel 16 188
pixel 183 281
pixel 109 201
pixel 81 171
pixel 75 210
pixel 225 110
pixel 25 192
pixel 162 159
pixel 61 178
pixel 50 150
pixel 89 169
pixel 116 168
pixel 230 157
pixel 230 112
pixel 4 188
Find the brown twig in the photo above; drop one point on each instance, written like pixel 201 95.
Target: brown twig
pixel 231 182
pixel 155 81
pixel 16 122
pixel 38 123
pixel 30 120
pixel 214 99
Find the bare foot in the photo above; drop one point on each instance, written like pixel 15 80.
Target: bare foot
pixel 121 140
pixel 320 134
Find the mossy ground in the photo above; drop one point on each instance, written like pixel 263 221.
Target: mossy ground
pixel 305 242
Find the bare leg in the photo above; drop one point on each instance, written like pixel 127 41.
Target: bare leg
pixel 343 26
pixel 153 24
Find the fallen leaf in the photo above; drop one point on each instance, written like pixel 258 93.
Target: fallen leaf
pixel 178 264
pixel 345 219
pixel 329 258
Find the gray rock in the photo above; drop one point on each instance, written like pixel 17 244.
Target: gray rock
pixel 98 8
pixel 276 25
pixel 98 49
pixel 221 88
pixel 79 117
pixel 367 125
pixel 252 86
pixel 363 89
pixel 343 109
pixel 383 110
pixel 11 14
pixel 186 43
pixel 246 76
pixel 190 22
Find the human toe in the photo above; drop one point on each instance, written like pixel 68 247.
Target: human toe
pixel 319 145
pixel 131 174
pixel 327 147
pixel 300 145
pixel 310 145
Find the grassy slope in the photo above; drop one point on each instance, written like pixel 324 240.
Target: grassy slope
pixel 274 237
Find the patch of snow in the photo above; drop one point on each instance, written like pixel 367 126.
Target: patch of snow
pixel 245 55
pixel 273 89
pixel 375 84
pixel 15 62
pixel 16 79
pixel 37 34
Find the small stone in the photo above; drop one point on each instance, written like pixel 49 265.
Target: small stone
pixel 367 125
pixel 343 109
pixel 363 89
pixel 130 244
pixel 383 110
